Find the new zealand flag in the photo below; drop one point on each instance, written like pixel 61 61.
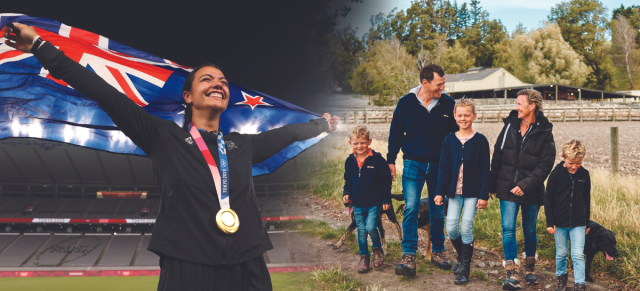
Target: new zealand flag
pixel 34 104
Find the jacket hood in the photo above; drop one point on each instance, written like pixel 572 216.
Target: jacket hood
pixel 415 90
pixel 541 120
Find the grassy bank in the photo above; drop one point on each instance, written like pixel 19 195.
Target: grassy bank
pixel 615 204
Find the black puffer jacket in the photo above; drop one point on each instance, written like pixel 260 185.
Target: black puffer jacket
pixel 525 166
pixel 567 202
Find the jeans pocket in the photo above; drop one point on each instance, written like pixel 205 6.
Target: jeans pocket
pixel 410 170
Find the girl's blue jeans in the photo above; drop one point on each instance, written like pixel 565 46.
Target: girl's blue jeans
pixel 466 207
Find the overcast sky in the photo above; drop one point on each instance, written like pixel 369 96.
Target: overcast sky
pixel 511 12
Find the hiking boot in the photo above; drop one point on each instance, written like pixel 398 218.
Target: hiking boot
pixel 378 257
pixel 513 271
pixel 457 244
pixel 407 266
pixel 529 271
pixel 363 267
pixel 562 282
pixel 441 260
pixel 465 268
pixel 580 287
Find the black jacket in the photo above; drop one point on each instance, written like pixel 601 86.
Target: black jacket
pixel 420 132
pixel 567 203
pixel 369 185
pixel 185 228
pixel 475 156
pixel 525 166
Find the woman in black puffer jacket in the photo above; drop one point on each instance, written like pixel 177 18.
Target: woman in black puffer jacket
pixel 523 157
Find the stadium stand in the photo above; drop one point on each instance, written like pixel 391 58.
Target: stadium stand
pixel 75 207
pixel 120 250
pixel 6 239
pixel 130 208
pixel 89 241
pixel 54 250
pixel 145 257
pixel 22 249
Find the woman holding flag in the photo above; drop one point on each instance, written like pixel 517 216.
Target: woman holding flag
pixel 209 234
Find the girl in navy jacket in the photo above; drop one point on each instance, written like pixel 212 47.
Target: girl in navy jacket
pixel 464 157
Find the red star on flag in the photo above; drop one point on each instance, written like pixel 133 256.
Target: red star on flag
pixel 252 101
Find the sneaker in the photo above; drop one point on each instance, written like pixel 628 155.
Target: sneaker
pixel 407 266
pixel 530 276
pixel 562 282
pixel 441 260
pixel 513 271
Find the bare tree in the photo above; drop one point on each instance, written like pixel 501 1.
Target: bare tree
pixel 624 37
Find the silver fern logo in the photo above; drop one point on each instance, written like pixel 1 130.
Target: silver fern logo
pixel 189 140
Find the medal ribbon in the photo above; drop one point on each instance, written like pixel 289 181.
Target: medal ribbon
pixel 220 177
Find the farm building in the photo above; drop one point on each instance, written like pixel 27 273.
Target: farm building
pixel 480 83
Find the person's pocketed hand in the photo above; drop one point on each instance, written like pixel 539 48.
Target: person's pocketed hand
pixel 345 198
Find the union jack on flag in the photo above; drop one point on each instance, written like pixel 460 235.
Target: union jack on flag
pixel 34 104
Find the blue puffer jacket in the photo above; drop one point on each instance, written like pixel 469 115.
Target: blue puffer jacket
pixel 475 156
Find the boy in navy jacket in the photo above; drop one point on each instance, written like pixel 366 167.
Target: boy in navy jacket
pixel 463 177
pixel 567 205
pixel 368 185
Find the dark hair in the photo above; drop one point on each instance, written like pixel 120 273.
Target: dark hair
pixel 428 70
pixel 188 83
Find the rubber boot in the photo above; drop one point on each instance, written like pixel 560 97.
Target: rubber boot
pixel 465 268
pixel 457 245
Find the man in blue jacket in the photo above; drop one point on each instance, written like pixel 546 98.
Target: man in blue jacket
pixel 421 121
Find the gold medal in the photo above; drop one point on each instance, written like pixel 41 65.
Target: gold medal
pixel 227 220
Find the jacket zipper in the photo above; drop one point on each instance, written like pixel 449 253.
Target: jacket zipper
pixel 571 201
pixel 360 168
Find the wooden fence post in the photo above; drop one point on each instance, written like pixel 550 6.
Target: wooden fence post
pixel 484 112
pixel 564 114
pixel 355 117
pixel 613 116
pixel 499 113
pixel 629 113
pixel 598 114
pixel 386 115
pixel 580 113
pixel 615 159
pixel 366 116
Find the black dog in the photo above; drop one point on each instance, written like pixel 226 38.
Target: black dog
pixel 424 221
pixel 599 239
pixel 390 215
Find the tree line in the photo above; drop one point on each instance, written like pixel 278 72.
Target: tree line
pixel 580 44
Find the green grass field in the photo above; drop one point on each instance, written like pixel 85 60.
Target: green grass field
pixel 280 281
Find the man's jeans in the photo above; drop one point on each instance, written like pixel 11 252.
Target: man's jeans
pixel 414 175
pixel 367 223
pixel 466 206
pixel 577 236
pixel 509 214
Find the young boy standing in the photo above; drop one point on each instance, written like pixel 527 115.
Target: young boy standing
pixel 463 177
pixel 567 204
pixel 368 185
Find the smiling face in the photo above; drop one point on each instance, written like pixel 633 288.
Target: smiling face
pixel 209 91
pixel 523 106
pixel 464 117
pixel 436 86
pixel 360 145
pixel 572 164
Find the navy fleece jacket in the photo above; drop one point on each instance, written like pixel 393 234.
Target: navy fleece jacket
pixel 476 158
pixel 370 185
pixel 419 132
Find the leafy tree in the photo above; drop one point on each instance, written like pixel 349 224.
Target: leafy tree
pixel 584 26
pixel 632 13
pixel 624 36
pixel 542 56
pixel 386 69
pixel 456 59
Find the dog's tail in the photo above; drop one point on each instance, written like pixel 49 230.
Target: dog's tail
pixel 397 197
pixel 400 208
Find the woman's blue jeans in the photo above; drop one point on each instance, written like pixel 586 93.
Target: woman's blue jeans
pixel 577 237
pixel 466 207
pixel 414 175
pixel 367 223
pixel 509 214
